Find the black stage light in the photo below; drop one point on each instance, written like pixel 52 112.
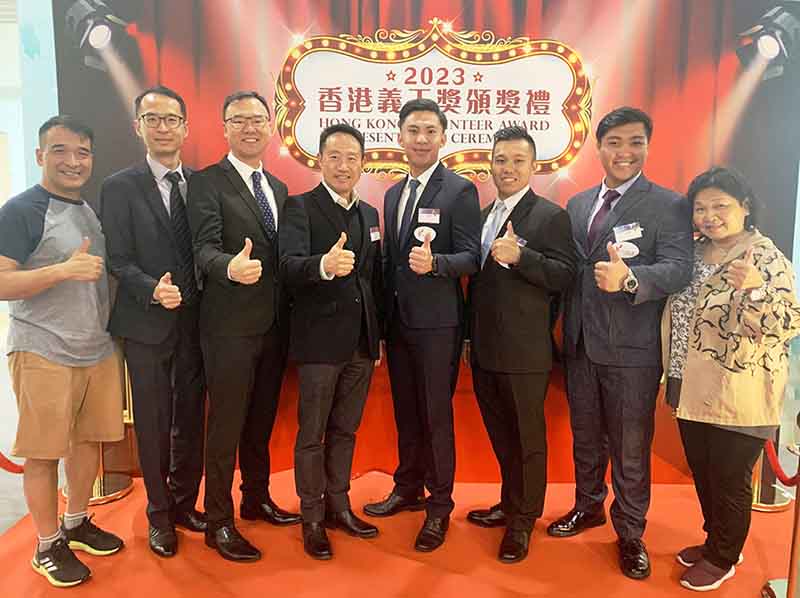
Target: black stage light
pixel 92 25
pixel 774 39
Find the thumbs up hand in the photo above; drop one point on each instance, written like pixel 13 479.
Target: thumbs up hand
pixel 166 293
pixel 743 274
pixel 339 261
pixel 506 250
pixel 610 275
pixel 241 268
pixel 82 265
pixel 420 260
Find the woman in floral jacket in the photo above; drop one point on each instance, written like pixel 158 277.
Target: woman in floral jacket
pixel 726 356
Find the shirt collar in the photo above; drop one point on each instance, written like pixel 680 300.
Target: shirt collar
pixel 424 177
pixel 160 171
pixel 338 199
pixel 511 202
pixel 622 189
pixel 245 170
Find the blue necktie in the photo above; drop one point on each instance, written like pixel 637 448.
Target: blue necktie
pixel 492 228
pixel 408 213
pixel 261 200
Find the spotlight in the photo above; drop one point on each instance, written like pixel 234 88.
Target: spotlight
pixel 773 39
pixel 92 25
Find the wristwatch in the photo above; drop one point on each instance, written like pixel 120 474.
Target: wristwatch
pixel 434 264
pixel 630 284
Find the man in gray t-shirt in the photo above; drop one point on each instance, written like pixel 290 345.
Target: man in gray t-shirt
pixel 66 376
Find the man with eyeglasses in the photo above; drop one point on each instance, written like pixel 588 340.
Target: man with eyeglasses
pixel 143 210
pixel 235 210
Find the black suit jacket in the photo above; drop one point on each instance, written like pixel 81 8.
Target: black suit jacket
pixel 222 212
pixel 621 329
pixel 432 301
pixel 141 248
pixel 510 309
pixel 326 314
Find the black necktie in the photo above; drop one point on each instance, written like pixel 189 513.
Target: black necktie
pixel 183 239
pixel 600 218
pixel 408 213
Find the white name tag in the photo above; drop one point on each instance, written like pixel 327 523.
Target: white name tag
pixel 628 232
pixel 428 216
pixel 374 234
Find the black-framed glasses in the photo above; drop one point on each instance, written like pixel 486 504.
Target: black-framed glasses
pixel 153 121
pixel 238 122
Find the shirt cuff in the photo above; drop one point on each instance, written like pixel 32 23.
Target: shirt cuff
pixel 322 274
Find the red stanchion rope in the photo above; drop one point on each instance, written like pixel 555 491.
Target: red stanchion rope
pixel 772 456
pixel 8 465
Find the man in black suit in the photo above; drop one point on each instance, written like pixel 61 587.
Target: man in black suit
pixel 528 258
pixel 331 261
pixel 156 314
pixel 634 244
pixel 432 228
pixel 235 211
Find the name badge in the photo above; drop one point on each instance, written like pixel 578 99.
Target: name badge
pixel 374 233
pixel 628 232
pixel 424 231
pixel 428 216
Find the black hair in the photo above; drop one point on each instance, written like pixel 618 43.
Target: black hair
pixel 733 183
pixel 624 116
pixel 512 134
pixel 243 95
pixel 162 91
pixel 70 123
pixel 340 128
pixel 422 105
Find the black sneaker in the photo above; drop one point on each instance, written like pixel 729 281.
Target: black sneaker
pixel 60 566
pixel 90 538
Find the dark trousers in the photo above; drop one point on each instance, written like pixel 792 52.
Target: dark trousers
pixel 244 375
pixel 169 416
pixel 332 399
pixel 512 406
pixel 423 364
pixel 722 465
pixel 611 412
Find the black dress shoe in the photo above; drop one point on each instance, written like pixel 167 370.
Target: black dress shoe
pixel 231 544
pixel 393 504
pixel 491 517
pixel 633 559
pixel 269 512
pixel 432 534
pixel 354 526
pixel 315 541
pixel 514 546
pixel 163 541
pixel 575 522
pixel 193 520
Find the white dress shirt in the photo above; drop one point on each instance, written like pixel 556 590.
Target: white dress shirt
pixel 160 173
pixel 246 172
pixel 622 189
pixel 509 204
pixel 423 181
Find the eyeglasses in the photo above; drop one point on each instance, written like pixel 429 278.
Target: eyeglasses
pixel 153 121
pixel 238 123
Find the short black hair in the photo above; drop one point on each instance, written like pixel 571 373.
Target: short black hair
pixel 512 134
pixel 422 105
pixel 70 123
pixel 733 183
pixel 162 91
pixel 624 116
pixel 243 95
pixel 340 128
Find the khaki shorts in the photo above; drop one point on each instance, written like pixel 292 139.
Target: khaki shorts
pixel 59 405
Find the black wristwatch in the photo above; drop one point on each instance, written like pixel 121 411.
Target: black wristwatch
pixel 434 264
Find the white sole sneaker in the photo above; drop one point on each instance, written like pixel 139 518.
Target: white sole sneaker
pixel 731 572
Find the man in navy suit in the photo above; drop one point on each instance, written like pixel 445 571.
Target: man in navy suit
pixel 156 314
pixel 432 228
pixel 634 244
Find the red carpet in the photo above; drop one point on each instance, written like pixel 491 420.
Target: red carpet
pixel 388 565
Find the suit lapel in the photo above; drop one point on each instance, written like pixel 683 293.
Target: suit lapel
pixel 365 233
pixel 586 203
pixel 153 199
pixel 390 205
pixel 277 190
pixel 326 205
pixel 632 197
pixel 240 186
pixel 519 213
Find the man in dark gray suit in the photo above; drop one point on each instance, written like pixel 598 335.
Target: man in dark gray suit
pixel 634 244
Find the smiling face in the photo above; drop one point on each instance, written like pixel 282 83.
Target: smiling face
pixel 421 136
pixel 623 151
pixel 341 160
pixel 248 142
pixel 718 216
pixel 513 164
pixel 66 161
pixel 162 142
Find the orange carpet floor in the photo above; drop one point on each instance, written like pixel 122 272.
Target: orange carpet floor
pixel 466 566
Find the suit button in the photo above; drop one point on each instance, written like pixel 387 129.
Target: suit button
pixel 358 299
pixel 395 293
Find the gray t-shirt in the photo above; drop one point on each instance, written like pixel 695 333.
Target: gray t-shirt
pixel 67 322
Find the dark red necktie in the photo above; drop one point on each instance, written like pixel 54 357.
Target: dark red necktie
pixel 600 217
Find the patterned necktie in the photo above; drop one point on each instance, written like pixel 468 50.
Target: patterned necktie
pixel 408 212
pixel 261 200
pixel 600 217
pixel 183 238
pixel 492 228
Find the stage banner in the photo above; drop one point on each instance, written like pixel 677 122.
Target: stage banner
pixel 482 83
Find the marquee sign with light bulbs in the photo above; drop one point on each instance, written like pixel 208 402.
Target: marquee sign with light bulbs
pixel 481 82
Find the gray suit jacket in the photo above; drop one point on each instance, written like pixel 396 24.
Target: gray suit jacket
pixel 620 329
